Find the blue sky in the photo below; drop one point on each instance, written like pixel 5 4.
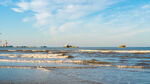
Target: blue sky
pixel 97 23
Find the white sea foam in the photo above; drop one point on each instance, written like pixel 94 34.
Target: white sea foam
pixel 12 50
pixel 43 69
pixel 69 61
pixel 119 66
pixel 42 61
pixel 35 55
pixel 117 51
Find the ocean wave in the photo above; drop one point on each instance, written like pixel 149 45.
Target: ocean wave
pixel 43 61
pixel 36 50
pixel 81 62
pixel 89 51
pixel 44 68
pixel 117 51
pixel 120 66
pixel 35 55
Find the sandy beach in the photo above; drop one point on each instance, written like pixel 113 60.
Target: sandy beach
pixel 38 76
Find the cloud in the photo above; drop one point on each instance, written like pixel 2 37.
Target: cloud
pixel 17 10
pixel 146 6
pixel 70 25
pixel 60 13
pixel 90 16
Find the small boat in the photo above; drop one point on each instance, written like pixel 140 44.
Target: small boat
pixel 69 46
pixel 43 46
pixel 122 46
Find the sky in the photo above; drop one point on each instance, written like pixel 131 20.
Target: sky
pixel 85 23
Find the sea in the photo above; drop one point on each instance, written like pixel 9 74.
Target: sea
pixel 84 65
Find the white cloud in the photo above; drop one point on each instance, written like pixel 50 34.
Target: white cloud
pixel 59 16
pixel 23 5
pixel 42 18
pixel 60 13
pixel 17 10
pixel 70 25
pixel 146 6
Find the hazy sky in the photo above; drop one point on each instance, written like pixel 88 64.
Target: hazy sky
pixel 81 22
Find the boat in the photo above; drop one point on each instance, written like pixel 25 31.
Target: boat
pixel 43 46
pixel 69 46
pixel 122 46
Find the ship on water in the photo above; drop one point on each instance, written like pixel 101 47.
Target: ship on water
pixel 122 46
pixel 69 46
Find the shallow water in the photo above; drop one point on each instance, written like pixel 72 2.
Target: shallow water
pixel 105 65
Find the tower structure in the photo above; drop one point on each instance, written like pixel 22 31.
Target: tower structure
pixel 6 43
pixel 0 41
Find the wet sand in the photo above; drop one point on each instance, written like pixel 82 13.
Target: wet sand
pixel 38 76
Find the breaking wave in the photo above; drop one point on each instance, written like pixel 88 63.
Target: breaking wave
pixel 64 51
pixel 35 55
pixel 117 51
pixel 81 62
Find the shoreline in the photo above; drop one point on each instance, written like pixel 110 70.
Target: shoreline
pixel 39 76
